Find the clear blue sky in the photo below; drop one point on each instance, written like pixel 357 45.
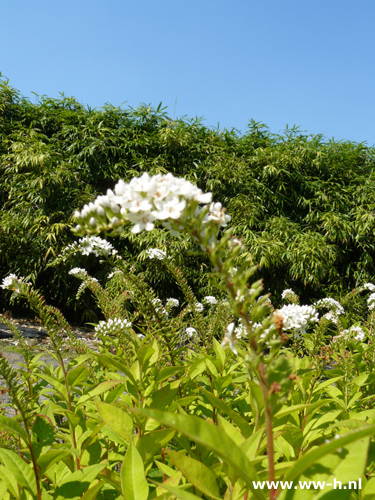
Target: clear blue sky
pixel 305 62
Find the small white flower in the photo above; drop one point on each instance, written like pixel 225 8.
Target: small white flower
pixel 297 317
pixel 371 301
pixel 112 326
pixel 190 332
pixel 368 286
pixel 172 302
pixel 218 215
pixel 78 272
pixel 11 282
pixel 210 299
pixel 155 253
pixel 160 308
pixel 331 304
pixel 331 317
pixel 96 245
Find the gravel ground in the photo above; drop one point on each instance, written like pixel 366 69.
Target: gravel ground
pixel 36 336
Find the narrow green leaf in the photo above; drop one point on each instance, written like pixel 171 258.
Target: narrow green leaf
pixel 178 492
pixel 60 388
pixel 9 480
pixel 196 473
pixel 144 354
pixel 49 458
pixel 117 420
pixel 133 481
pixel 220 353
pixel 20 469
pixel 92 493
pixel 162 398
pixel 11 425
pixel 149 444
pixel 312 456
pixel 103 387
pixel 169 371
pixel 213 438
pixel 241 423
pixel 77 375
pixel 74 485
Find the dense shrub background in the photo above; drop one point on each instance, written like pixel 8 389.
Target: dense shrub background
pixel 305 206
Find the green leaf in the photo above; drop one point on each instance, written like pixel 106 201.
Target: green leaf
pixel 220 353
pixel 149 444
pixel 241 423
pixel 133 482
pixel 74 485
pixel 20 469
pixel 144 354
pixel 103 387
pixel 49 458
pixel 163 397
pixel 60 388
pixel 344 465
pixel 169 371
pixel 76 376
pixel 110 361
pixel 118 420
pixel 43 434
pixel 92 493
pixel 196 473
pixel 211 437
pixel 11 425
pixel 178 492
pixel 322 385
pixel 317 453
pixel 369 490
pixel 196 369
pixel 9 480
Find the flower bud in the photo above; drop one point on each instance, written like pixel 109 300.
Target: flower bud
pixel 92 222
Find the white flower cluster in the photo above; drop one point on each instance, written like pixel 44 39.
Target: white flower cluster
pixel 78 272
pixel 331 304
pixel 210 299
pixel 368 286
pixel 97 246
pixel 198 307
pixel 92 244
pixel 12 282
pixel 240 330
pixel 145 200
pixel 172 302
pixel 371 302
pixel 298 317
pixel 159 306
pixel 355 332
pixel 155 253
pixel 112 326
pixel 329 316
pixel 190 331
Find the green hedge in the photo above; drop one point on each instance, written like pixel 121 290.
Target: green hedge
pixel 303 205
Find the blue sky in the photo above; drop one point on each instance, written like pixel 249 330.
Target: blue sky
pixel 293 62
